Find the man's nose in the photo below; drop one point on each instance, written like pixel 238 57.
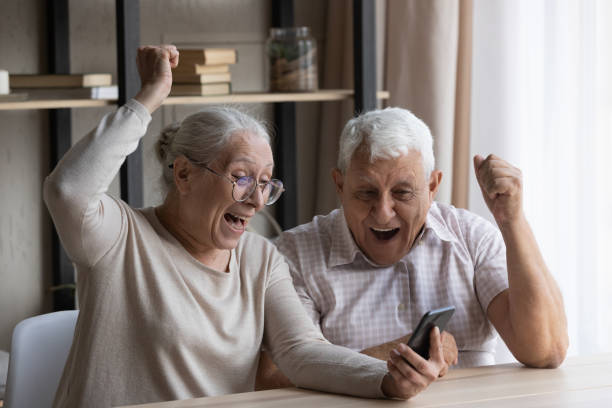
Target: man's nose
pixel 384 209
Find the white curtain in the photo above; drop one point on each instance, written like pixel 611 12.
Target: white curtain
pixel 542 99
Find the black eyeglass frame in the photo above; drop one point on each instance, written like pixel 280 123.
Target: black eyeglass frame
pixel 235 182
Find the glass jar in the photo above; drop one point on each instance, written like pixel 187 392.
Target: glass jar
pixel 292 57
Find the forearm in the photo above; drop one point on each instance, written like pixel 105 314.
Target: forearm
pixel 151 97
pixel 529 315
pixel 306 358
pixel 326 367
pixel 536 317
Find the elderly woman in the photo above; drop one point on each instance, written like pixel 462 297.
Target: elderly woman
pixel 176 301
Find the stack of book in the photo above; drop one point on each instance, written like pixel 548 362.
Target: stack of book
pixel 203 72
pixel 65 86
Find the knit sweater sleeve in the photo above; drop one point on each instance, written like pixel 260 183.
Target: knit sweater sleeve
pixel 304 356
pixel 88 220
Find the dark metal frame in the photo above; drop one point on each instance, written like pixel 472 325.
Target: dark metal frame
pixel 128 41
pixel 58 58
pixel 286 144
pixel 364 46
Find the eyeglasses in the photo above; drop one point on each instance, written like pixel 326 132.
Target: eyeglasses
pixel 244 187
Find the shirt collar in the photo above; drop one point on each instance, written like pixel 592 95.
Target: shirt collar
pixel 435 223
pixel 344 249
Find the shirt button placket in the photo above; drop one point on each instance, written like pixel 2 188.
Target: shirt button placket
pixel 404 280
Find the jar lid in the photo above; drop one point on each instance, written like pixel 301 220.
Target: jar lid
pixel 289 31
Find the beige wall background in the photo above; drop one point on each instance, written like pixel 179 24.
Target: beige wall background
pixel 24 151
pixel 25 257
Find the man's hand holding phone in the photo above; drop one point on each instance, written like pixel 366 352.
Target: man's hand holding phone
pixel 414 366
pixel 409 373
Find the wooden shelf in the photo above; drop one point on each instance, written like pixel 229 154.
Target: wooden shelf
pixel 252 97
pixel 56 104
pixel 260 97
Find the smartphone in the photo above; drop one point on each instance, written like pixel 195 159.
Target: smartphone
pixel 419 341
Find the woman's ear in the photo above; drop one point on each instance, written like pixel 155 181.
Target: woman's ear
pixel 338 178
pixel 183 172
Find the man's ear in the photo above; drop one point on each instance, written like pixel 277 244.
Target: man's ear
pixel 338 180
pixel 434 183
pixel 183 172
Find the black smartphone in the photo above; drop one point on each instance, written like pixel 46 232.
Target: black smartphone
pixel 419 341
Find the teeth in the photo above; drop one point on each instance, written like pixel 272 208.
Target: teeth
pixel 239 217
pixel 382 230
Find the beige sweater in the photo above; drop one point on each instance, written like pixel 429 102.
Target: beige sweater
pixel 156 324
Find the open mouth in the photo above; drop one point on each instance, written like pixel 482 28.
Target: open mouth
pixel 235 221
pixel 384 234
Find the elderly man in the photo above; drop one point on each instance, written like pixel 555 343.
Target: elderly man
pixel 368 271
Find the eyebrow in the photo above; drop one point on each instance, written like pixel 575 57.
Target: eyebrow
pixel 365 181
pixel 247 160
pixel 404 183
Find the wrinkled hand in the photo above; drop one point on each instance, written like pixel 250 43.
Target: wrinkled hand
pixel 407 380
pixel 155 65
pixel 502 187
pixel 449 349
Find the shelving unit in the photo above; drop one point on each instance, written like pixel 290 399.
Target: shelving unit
pixel 128 40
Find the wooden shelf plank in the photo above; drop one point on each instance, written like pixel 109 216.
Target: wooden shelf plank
pixel 55 104
pixel 249 97
pixel 259 97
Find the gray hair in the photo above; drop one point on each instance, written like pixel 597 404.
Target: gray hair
pixel 202 136
pixel 385 134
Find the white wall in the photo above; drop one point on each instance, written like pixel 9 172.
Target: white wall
pixel 25 257
pixel 24 151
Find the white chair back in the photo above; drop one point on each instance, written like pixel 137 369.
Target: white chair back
pixel 39 349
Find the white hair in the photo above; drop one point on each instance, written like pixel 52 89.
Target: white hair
pixel 386 134
pixel 202 136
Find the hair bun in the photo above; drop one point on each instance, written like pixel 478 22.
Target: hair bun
pixel 165 141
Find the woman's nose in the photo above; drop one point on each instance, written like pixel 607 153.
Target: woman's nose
pixel 256 199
